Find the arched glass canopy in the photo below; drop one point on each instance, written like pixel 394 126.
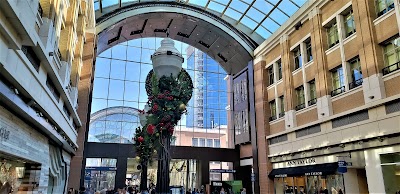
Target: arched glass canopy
pixel 260 17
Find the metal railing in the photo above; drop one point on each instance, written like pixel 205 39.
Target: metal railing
pixel 312 102
pixel 40 10
pixel 355 84
pixel 391 68
pixel 337 91
pixel 272 118
pixel 300 106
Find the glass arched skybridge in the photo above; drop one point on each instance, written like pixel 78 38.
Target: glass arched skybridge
pixel 256 18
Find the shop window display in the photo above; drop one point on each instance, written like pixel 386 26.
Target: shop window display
pixel 327 184
pixel 390 164
pixel 15 172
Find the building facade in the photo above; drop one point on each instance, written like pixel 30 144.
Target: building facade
pixel 326 100
pixel 43 45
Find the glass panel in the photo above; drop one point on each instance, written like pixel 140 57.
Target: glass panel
pixel 272 106
pixel 337 78
pixel 102 67
pixel 312 184
pixel 355 69
pixel 279 186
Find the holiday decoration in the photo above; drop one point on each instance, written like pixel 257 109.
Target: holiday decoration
pixel 169 90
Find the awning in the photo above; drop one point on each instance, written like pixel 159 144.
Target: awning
pixel 310 170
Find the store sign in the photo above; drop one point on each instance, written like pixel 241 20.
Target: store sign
pixel 218 184
pixel 302 162
pixel 342 167
pixel 4 134
pixel 280 175
pixel 102 168
pixel 222 170
pixel 313 173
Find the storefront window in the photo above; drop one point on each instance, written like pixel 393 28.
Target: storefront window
pixel 328 184
pixel 391 172
pixel 100 174
pixel 14 172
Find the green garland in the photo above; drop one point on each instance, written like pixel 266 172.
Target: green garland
pixel 167 102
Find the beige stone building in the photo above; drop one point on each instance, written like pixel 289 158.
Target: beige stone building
pixel 43 46
pixel 327 90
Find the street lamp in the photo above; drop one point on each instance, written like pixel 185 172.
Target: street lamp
pixel 169 88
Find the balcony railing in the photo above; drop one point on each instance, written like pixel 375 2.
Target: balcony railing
pixel 300 106
pixel 272 118
pixel 312 102
pixel 355 83
pixel 337 91
pixel 32 57
pixel 282 114
pixel 40 10
pixel 391 68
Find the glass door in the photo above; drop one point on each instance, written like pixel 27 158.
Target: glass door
pixel 312 185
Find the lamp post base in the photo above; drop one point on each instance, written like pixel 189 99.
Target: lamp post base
pixel 164 158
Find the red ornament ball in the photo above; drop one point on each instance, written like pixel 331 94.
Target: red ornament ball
pixel 151 129
pixel 140 139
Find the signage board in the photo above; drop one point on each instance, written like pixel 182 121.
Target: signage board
pixel 301 162
pixel 342 166
pixel 253 177
pixel 4 134
pixel 101 168
pixel 222 170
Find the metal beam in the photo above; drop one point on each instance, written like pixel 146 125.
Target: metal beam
pixel 101 6
pixel 267 15
pixel 227 5
pixel 244 13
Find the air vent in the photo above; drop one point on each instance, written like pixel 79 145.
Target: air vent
pixel 141 30
pixel 204 44
pixel 116 37
pixel 222 57
pixel 349 119
pixel 183 34
pixel 164 30
pixel 308 131
pixel 392 107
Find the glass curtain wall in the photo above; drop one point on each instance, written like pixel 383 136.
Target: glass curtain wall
pixel 119 83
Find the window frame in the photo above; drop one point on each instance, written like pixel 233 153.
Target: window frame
pixel 355 82
pixel 312 92
pixel 300 97
pixel 394 51
pixel 308 46
pixel 279 65
pixel 337 79
pixel 272 107
pixel 387 7
pixel 332 31
pixel 282 106
pixel 297 58
pixel 271 75
pixel 349 17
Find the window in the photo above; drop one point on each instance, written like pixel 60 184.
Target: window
pixel 356 75
pixel 349 25
pixel 383 6
pixel 270 75
pixel 337 81
pixel 333 36
pixel 272 107
pixel 308 131
pixel 282 106
pixel 66 111
pixel 202 142
pixel 52 88
pixel 297 58
pixel 278 139
pixel 351 118
pixel 210 143
pixel 300 98
pixel 279 65
pixel 392 56
pixel 308 50
pixel 32 57
pixel 195 142
pixel 313 93
pixel 217 143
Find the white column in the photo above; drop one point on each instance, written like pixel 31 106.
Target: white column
pixel 374 172
pixel 397 10
pixel 341 33
pixel 303 71
pixel 351 181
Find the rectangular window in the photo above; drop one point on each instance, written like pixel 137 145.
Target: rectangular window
pixel 333 36
pixel 270 75
pixel 308 131
pixel 337 81
pixel 297 58
pixel 52 88
pixel 210 143
pixel 282 106
pixel 392 56
pixel 300 98
pixel 356 75
pixel 349 24
pixel 195 142
pixel 202 142
pixel 279 64
pixel 217 143
pixel 272 107
pixel 278 139
pixel 308 50
pixel 383 6
pixel 66 111
pixel 32 57
pixel 313 93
